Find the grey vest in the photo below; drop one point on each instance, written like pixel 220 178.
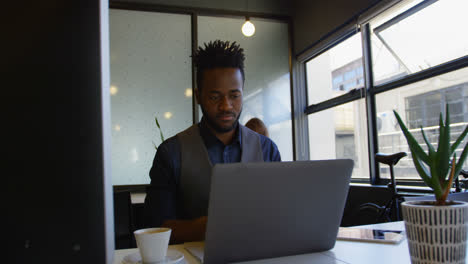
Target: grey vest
pixel 195 171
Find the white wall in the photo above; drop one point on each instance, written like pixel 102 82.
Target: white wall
pixel 313 20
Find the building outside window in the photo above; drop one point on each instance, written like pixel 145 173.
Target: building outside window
pixel 412 47
pixel 423 109
pixel 406 40
pixel 338 131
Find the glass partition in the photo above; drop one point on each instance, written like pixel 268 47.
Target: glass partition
pixel 151 76
pixel 267 86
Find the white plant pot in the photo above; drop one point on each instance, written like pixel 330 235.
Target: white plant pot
pixel 436 234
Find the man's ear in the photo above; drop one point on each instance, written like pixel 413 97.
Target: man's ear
pixel 197 95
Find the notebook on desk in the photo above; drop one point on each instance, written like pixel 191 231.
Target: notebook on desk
pixel 266 210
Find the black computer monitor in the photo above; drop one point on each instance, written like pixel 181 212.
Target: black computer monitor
pixel 55 79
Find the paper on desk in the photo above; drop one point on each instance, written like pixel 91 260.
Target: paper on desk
pixel 370 235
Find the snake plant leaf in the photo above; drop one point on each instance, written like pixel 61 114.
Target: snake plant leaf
pixel 413 144
pixel 157 122
pixel 448 183
pixel 440 144
pixel 161 135
pixel 459 140
pixel 422 171
pixel 443 150
pixel 431 161
pixel 441 131
pixel 437 182
pixel 461 160
pixel 429 145
pixel 434 169
pixel 159 127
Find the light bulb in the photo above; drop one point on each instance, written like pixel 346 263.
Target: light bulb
pixel 188 92
pixel 248 29
pixel 168 115
pixel 113 90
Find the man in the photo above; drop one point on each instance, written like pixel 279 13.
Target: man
pixel 180 176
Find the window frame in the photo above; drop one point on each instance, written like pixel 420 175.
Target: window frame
pixel 370 90
pixel 351 95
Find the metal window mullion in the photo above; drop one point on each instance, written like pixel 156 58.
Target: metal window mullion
pixel 301 121
pixel 370 105
pixel 413 10
pixel 194 20
pixel 335 101
pixel 292 64
pixel 443 68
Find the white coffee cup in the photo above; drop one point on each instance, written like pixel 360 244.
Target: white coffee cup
pixel 152 243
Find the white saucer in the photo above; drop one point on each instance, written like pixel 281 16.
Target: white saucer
pixel 172 256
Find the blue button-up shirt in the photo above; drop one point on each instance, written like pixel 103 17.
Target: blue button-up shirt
pixel 161 199
pixel 217 151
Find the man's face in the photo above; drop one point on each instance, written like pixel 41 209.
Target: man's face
pixel 220 98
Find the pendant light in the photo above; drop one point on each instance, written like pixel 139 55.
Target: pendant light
pixel 248 29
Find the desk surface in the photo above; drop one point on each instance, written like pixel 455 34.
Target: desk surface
pixel 344 252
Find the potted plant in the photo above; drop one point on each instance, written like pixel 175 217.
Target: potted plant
pixel 160 132
pixel 436 230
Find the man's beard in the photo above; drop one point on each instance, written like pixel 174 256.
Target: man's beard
pixel 218 128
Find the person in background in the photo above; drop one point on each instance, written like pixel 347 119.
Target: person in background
pixel 258 126
pixel 181 172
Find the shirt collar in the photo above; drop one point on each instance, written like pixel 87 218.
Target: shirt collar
pixel 210 139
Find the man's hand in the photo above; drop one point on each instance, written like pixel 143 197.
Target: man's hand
pixel 187 230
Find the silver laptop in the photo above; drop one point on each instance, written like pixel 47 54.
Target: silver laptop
pixel 266 210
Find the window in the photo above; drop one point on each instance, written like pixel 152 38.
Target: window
pixel 420 104
pixel 338 131
pixel 423 109
pixel 419 64
pixel 407 39
pixel 411 37
pixel 335 71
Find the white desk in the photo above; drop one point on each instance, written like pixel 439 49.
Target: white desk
pixel 344 252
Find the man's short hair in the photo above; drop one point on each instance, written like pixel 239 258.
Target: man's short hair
pixel 218 54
